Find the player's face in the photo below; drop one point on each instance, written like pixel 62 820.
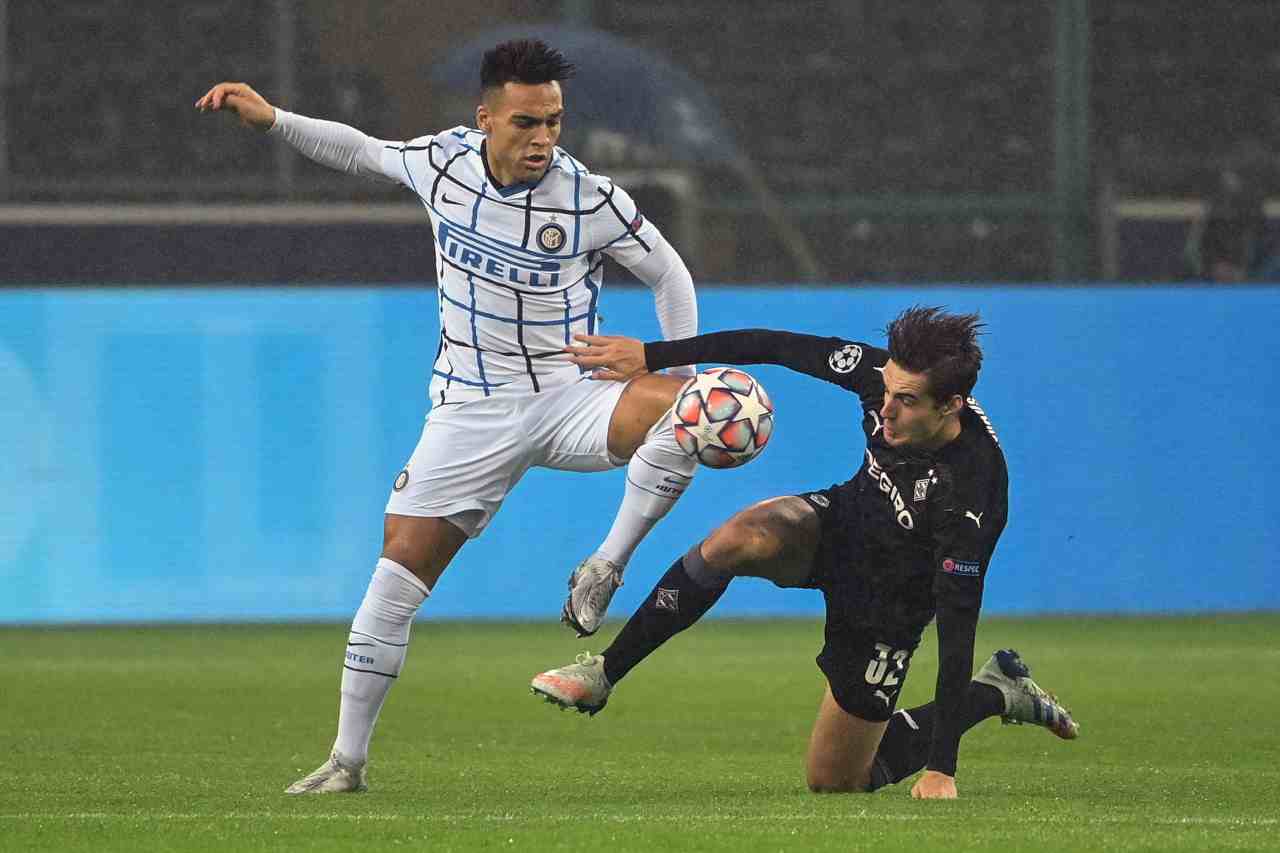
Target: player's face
pixel 910 414
pixel 522 125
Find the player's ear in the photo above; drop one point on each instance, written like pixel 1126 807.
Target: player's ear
pixel 483 119
pixel 953 406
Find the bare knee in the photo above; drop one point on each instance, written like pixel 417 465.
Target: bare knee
pixel 823 783
pixel 424 546
pixel 773 539
pixel 821 786
pixel 828 776
pixel 842 750
pixel 745 538
pixel 645 399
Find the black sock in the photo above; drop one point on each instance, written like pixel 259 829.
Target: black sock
pixel 904 749
pixel 675 603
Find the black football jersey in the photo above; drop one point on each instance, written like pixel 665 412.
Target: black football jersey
pixel 926 522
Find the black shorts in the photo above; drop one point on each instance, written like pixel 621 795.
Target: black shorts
pixel 866 670
pixel 869 637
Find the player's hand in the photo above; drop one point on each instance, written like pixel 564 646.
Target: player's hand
pixel 610 356
pixel 934 786
pixel 252 108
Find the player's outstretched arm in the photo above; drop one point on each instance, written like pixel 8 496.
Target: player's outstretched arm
pixel 240 98
pixel 329 143
pixel 609 356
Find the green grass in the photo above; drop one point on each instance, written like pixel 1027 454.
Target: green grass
pixel 182 738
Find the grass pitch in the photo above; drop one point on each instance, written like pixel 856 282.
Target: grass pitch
pixel 182 738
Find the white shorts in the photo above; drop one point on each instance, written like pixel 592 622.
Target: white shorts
pixel 472 454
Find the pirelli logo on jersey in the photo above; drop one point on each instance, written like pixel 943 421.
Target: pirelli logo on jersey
pixel 471 252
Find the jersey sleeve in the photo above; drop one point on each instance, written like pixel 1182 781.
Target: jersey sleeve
pixel 968 517
pixel 344 148
pixel 852 365
pixel 618 227
pixel 663 272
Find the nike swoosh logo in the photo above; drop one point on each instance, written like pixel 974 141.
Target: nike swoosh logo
pixel 448 200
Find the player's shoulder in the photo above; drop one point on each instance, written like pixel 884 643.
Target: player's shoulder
pixel 979 426
pixel 565 166
pixel 455 140
pixel 977 452
pixel 592 188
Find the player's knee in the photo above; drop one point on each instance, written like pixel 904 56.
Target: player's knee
pixel 742 540
pixel 758 534
pixel 829 781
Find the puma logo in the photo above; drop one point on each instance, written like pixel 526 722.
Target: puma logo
pixel 977 519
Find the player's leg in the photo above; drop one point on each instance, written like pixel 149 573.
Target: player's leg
pixel 658 472
pixel 415 553
pixel 1002 688
pixel 443 496
pixel 865 672
pixel 904 750
pixel 775 540
pixel 842 749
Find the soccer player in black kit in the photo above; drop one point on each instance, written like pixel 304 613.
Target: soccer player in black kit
pixel 906 540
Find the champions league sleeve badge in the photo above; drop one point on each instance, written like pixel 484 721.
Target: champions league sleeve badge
pixel 845 359
pixel 551 237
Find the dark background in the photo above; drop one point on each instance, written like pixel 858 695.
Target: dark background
pixel 902 141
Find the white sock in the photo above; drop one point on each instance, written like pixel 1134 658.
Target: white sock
pixel 375 654
pixel 657 476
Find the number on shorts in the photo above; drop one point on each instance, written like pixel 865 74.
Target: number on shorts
pixel 878 671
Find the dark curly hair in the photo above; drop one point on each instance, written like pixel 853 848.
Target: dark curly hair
pixel 942 346
pixel 522 61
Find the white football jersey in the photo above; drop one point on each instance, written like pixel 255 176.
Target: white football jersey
pixel 519 267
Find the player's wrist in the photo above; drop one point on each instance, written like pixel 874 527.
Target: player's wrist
pixel 941 767
pixel 276 124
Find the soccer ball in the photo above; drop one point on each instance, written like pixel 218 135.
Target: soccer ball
pixel 722 417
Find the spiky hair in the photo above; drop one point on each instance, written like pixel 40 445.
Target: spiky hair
pixel 942 346
pixel 522 61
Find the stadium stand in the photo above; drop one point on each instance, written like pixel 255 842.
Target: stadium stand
pixel 834 103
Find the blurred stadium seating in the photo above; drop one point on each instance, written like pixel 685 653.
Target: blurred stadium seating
pixel 854 114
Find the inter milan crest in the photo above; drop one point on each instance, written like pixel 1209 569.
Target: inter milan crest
pixel 551 237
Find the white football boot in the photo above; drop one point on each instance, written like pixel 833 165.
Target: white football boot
pixel 581 686
pixel 591 588
pixel 335 776
pixel 1024 700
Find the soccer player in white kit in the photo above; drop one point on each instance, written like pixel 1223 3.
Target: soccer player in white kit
pixel 521 230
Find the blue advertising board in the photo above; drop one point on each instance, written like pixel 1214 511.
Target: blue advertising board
pixel 226 453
